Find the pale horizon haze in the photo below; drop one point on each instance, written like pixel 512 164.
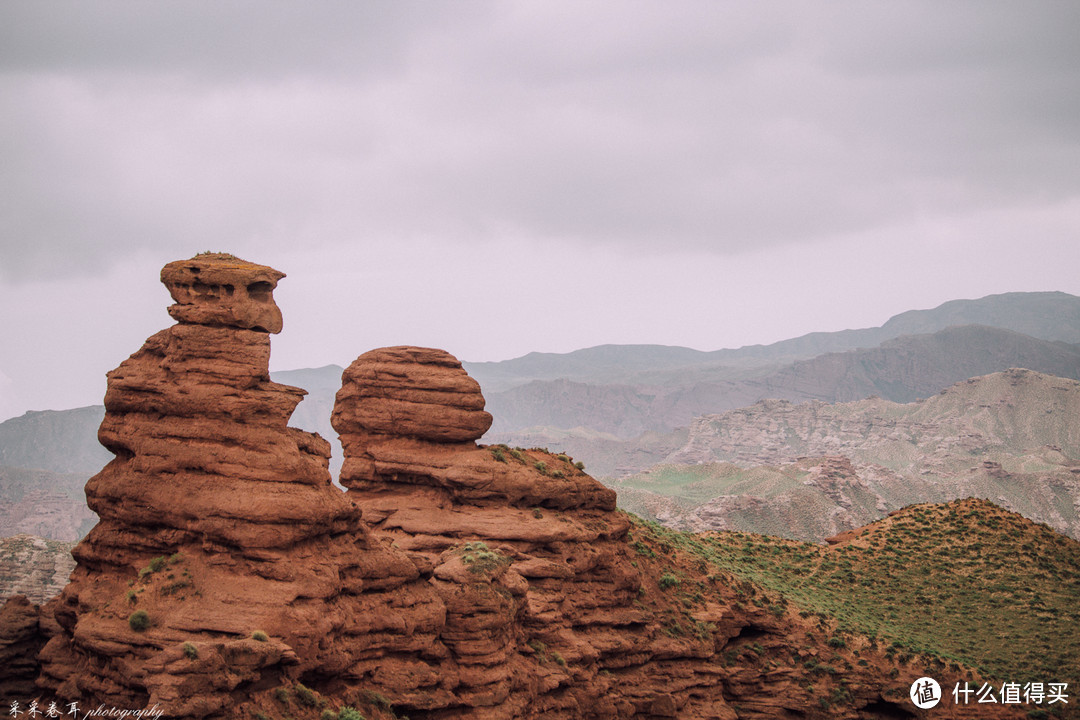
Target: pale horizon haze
pixel 496 178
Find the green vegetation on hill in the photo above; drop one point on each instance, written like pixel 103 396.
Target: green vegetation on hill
pixel 966 582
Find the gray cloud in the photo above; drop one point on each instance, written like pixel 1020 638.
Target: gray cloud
pixel 500 177
pixel 719 126
pixel 223 41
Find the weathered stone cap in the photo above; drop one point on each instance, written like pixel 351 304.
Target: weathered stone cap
pixel 413 392
pixel 221 289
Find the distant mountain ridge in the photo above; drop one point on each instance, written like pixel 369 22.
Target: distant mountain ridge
pixel 902 369
pixel 813 469
pixel 54 440
pixel 615 406
pixel 1051 316
pixel 912 367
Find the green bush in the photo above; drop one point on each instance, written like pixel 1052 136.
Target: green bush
pixel 378 699
pixel 139 620
pixel 668 580
pixel 349 713
pixel 174 587
pixel 304 695
pixel 498 454
pixel 190 651
pixel 479 559
pixel 328 714
pixel 260 636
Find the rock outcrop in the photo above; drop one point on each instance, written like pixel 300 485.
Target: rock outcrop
pixel 217 521
pixel 228 577
pixel 553 607
pixel 34 567
pixel 21 638
pixel 1009 436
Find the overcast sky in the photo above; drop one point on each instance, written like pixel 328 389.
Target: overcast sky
pixel 495 178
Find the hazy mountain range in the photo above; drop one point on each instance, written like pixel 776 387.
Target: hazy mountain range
pixel 1052 316
pixel 621 408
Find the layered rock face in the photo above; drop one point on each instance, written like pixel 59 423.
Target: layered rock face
pixel 217 520
pixel 553 608
pixel 21 638
pixel 521 545
pixel 228 578
pixel 34 567
pixel 409 419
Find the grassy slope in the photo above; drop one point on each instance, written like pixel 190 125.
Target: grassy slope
pixel 964 581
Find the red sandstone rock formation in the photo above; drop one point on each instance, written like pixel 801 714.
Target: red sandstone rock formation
pixel 551 609
pixel 20 641
pixel 218 520
pixel 479 582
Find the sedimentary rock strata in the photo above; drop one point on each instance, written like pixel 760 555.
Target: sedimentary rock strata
pixel 219 520
pixel 21 639
pixel 553 608
pixel 229 578
pixel 34 567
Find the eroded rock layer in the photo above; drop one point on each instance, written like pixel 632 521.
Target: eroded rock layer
pixel 21 639
pixel 228 578
pixel 554 609
pixel 217 521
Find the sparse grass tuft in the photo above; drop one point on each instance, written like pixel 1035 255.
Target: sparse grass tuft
pixel 480 559
pixel 155 565
pixel 304 695
pixel 377 699
pixel 139 620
